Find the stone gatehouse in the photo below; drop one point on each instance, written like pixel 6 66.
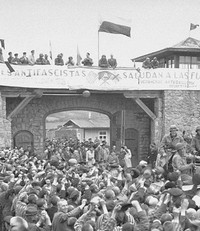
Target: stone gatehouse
pixel 147 115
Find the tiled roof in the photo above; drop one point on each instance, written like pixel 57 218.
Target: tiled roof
pixel 188 43
pixel 89 123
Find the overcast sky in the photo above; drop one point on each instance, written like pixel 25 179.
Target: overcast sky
pixel 156 24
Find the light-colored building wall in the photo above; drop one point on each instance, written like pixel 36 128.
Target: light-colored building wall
pixel 95 132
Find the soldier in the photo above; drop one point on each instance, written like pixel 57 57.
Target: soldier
pixel 179 164
pixel 168 146
pixel 196 142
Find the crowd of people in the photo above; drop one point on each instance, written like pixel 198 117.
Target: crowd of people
pixel 88 186
pixel 59 61
pixel 148 64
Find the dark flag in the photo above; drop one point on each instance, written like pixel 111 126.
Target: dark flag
pixel 2 43
pixel 9 66
pixel 193 26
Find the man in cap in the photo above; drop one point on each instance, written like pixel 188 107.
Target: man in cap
pixel 179 164
pixel 87 61
pixel 16 60
pixel 40 60
pixel 196 142
pixel 10 58
pixel 24 59
pixel 168 144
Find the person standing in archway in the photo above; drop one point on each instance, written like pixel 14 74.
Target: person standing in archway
pixel 127 157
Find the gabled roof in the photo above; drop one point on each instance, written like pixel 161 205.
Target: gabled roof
pixel 189 45
pixel 89 123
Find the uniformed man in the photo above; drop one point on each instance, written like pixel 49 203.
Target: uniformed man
pixel 179 163
pixel 167 147
pixel 196 142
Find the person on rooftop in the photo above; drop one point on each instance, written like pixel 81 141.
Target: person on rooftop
pixel 87 61
pixel 103 62
pixel 147 63
pixel 154 63
pixel 70 61
pixel 24 59
pixel 59 60
pixel 10 58
pixel 31 58
pixel 112 62
pixel 40 60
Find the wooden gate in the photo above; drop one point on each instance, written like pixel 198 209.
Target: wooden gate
pixel 23 139
pixel 131 141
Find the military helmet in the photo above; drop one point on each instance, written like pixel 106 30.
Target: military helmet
pixel 179 146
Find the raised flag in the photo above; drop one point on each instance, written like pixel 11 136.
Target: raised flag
pixel 2 43
pixel 115 25
pixel 193 26
pixel 79 58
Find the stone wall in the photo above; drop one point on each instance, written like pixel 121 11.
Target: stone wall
pixel 5 125
pixel 183 109
pixel 32 117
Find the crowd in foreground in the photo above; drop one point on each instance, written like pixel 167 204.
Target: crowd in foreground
pixel 89 187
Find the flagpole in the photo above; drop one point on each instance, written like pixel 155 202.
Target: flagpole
pixel 98 48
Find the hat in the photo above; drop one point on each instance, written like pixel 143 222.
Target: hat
pixel 173 127
pixel 165 217
pixel 173 176
pixel 170 185
pixel 176 192
pixel 31 211
pixel 179 146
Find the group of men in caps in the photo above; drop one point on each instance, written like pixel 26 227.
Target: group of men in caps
pixel 61 194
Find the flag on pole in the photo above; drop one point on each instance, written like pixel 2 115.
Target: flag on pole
pixel 79 58
pixel 193 26
pixel 115 25
pixel 2 43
